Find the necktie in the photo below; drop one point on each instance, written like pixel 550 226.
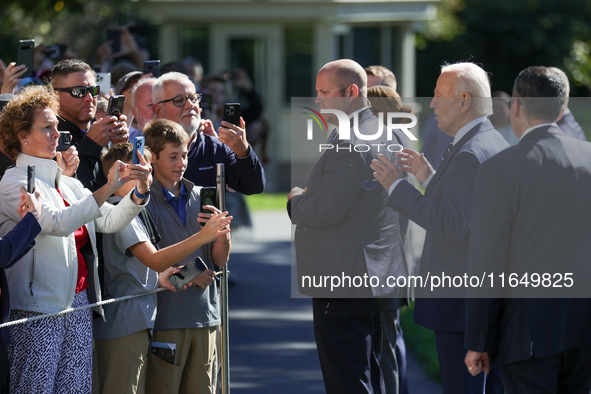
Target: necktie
pixel 332 135
pixel 446 153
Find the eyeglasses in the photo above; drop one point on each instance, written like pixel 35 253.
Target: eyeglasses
pixel 81 91
pixel 179 101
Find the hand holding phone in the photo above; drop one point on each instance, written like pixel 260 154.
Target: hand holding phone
pixel 208 196
pixel 187 273
pixel 65 141
pixel 24 56
pixel 152 67
pixel 138 146
pixel 115 107
pixel 31 179
pixel 232 113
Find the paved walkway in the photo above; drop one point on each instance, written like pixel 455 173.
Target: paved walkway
pixel 272 348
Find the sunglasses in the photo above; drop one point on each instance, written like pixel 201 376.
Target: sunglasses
pixel 179 101
pixel 80 91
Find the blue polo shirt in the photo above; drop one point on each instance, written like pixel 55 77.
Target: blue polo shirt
pixel 178 203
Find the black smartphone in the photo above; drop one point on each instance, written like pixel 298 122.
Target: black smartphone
pixel 189 272
pixel 138 146
pixel 65 141
pixel 153 67
pixel 114 35
pixel 115 107
pixel 30 179
pixel 232 113
pixel 164 351
pixel 24 55
pixel 208 196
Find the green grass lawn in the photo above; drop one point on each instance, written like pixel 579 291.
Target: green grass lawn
pixel 266 201
pixel 421 342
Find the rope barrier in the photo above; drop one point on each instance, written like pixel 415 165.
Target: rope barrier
pixel 79 308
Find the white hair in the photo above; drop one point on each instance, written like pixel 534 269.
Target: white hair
pixel 473 80
pixel 158 88
pixel 135 89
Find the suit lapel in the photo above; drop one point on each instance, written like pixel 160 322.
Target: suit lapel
pixel 486 125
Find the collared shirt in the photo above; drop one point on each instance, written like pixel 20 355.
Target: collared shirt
pixel 459 135
pixel 178 203
pixel 537 127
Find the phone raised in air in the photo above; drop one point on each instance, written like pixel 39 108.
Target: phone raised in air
pixel 30 179
pixel 208 196
pixel 115 107
pixel 24 55
pixel 153 67
pixel 138 145
pixel 232 113
pixel 114 35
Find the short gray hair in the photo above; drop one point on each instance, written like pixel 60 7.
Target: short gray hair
pixel 141 83
pixel 158 88
pixel 473 80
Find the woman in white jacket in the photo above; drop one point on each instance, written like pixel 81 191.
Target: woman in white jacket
pixel 54 355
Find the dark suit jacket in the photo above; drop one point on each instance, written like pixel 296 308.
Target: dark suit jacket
pixel 444 211
pixel 571 127
pixel 344 229
pixel 531 214
pixel 13 247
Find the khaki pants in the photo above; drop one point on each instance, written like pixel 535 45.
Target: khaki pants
pixel 121 363
pixel 195 360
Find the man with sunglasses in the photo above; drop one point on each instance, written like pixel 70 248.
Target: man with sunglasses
pixel 75 85
pixel 175 99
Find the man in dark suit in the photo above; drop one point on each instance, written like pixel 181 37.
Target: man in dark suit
pixel 461 103
pixel 531 215
pixel 344 230
pixel 567 122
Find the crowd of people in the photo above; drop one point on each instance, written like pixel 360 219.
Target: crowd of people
pixel 487 207
pixel 96 226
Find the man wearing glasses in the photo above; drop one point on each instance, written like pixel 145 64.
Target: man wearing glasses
pixel 75 85
pixel 175 99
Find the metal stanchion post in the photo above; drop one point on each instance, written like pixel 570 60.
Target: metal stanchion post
pixel 225 340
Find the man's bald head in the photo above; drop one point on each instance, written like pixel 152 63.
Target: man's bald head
pixel 347 72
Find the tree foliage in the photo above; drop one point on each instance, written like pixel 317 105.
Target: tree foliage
pixel 506 36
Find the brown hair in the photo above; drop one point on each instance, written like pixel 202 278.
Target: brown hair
pixel 19 114
pixel 67 67
pixel 385 99
pixel 123 152
pixel 159 132
pixel 386 76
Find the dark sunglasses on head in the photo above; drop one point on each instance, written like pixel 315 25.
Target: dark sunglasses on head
pixel 80 91
pixel 179 101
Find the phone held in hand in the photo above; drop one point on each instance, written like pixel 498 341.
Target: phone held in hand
pixel 138 146
pixel 232 113
pixel 24 55
pixel 152 67
pixel 189 272
pixel 30 179
pixel 65 141
pixel 208 196
pixel 115 107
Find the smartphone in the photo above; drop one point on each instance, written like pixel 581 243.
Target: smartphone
pixel 104 81
pixel 30 179
pixel 24 55
pixel 64 141
pixel 115 107
pixel 208 196
pixel 138 145
pixel 164 351
pixel 57 51
pixel 232 113
pixel 189 272
pixel 152 66
pixel 114 35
